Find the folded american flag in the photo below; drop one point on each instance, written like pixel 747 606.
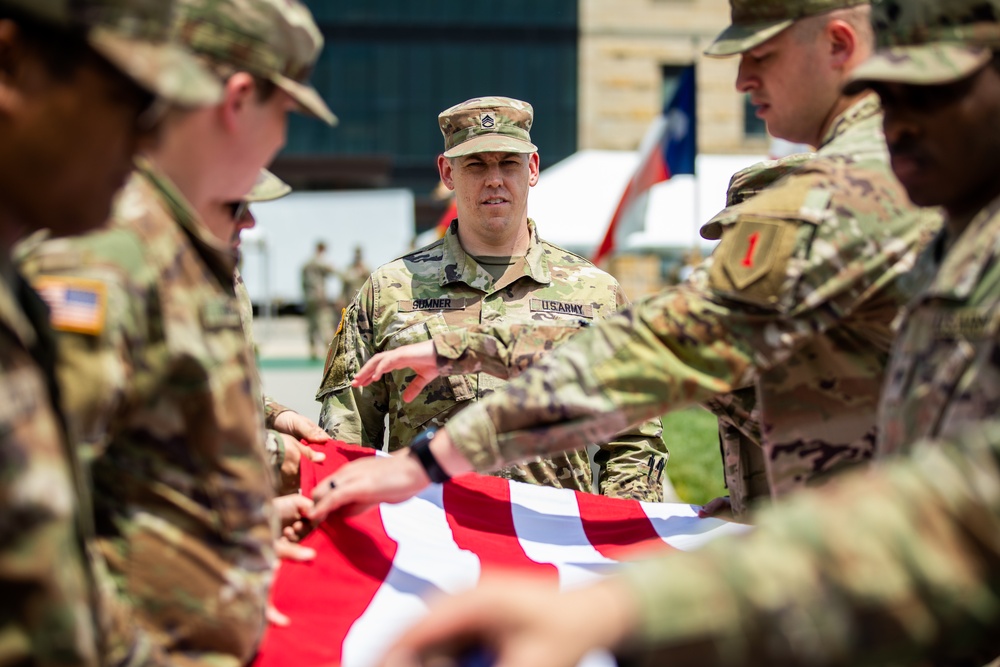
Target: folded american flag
pixel 373 571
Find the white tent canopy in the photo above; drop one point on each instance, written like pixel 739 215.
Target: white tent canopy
pixel 575 199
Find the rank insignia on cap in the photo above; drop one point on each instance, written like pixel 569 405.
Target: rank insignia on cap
pixel 487 121
pixel 77 305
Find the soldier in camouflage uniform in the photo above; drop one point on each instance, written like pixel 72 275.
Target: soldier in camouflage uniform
pixel 506 353
pixel 469 278
pixel 318 309
pixel 897 567
pixel 797 303
pixel 285 427
pixel 159 381
pixel 79 80
pixel 353 277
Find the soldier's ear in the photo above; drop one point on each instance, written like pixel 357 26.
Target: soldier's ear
pixel 446 172
pixel 843 41
pixel 533 169
pixel 237 94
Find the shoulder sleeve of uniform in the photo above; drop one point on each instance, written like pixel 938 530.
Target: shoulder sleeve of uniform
pixel 351 344
pixel 761 236
pixel 852 576
pixel 83 279
pixel 94 303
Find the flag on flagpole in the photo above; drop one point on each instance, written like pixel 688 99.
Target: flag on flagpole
pixel 669 148
pixel 373 572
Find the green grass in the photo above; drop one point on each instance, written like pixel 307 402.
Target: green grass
pixel 289 364
pixel 695 466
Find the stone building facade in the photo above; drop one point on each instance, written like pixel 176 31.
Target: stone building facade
pixel 626 52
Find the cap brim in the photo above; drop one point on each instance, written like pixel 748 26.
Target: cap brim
pixel 920 65
pixel 737 39
pixel 491 143
pixel 164 69
pixel 308 99
pixel 267 188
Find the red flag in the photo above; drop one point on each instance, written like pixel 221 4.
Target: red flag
pixel 669 148
pixel 373 571
pixel 445 221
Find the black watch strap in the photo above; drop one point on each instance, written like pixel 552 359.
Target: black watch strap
pixel 421 448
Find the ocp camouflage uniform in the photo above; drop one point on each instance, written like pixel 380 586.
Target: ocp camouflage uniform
pixel 318 313
pixel 744 465
pixel 48 609
pixel 53 609
pixel 945 371
pixel 900 566
pixel 274 443
pixel 799 302
pixel 440 288
pixel 161 387
pixel 897 566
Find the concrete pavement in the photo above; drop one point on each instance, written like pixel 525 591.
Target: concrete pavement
pixel 289 375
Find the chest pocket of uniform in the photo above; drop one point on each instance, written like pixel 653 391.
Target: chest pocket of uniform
pixel 441 394
pixel 935 373
pixel 212 405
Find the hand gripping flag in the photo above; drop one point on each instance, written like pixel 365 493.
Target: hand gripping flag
pixel 669 148
pixel 373 572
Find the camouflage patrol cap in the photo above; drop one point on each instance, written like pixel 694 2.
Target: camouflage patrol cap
pixel 929 42
pixel 133 35
pixel 267 188
pixel 756 21
pixel 487 125
pixel 749 182
pixel 274 39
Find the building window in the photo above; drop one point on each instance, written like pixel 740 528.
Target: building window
pixel 753 127
pixel 671 79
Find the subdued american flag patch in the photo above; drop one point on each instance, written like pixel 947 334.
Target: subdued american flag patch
pixel 78 305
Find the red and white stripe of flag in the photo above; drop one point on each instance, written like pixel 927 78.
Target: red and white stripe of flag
pixel 373 572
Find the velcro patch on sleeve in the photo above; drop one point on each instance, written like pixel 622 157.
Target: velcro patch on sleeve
pixel 77 305
pixel 563 307
pixel 221 313
pixel 752 259
pixel 437 303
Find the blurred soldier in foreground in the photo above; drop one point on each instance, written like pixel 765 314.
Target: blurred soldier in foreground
pixel 79 84
pixel 793 311
pixel 319 316
pixel 900 566
pixel 490 268
pixel 160 383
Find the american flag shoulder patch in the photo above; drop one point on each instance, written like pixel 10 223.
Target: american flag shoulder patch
pixel 77 305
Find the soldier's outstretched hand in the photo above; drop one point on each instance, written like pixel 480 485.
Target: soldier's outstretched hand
pixel 420 357
pixel 518 622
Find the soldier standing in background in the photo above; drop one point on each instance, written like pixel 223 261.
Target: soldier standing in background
pixel 795 307
pixel 319 318
pixel 77 98
pixel 491 268
pixel 899 566
pixel 162 385
pixel 353 277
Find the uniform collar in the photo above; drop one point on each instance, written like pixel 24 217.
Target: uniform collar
pixel 221 257
pixel 459 266
pixel 867 108
pixel 964 263
pixel 11 313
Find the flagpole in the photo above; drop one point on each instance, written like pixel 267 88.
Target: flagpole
pixel 697 207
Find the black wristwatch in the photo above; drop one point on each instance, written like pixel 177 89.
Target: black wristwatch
pixel 421 448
